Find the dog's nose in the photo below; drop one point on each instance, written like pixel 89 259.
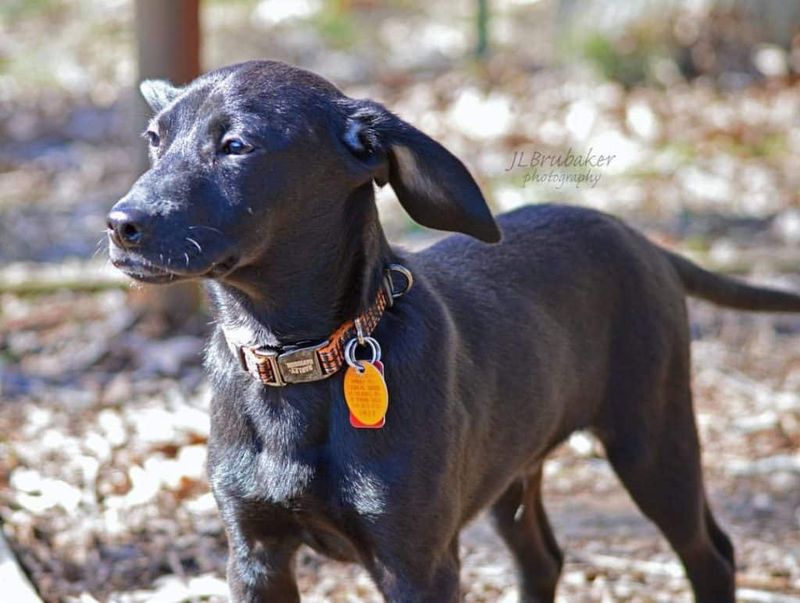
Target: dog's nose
pixel 125 226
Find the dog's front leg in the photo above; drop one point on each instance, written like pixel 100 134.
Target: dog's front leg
pixel 415 576
pixel 260 570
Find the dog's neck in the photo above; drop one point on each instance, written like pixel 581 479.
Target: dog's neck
pixel 303 289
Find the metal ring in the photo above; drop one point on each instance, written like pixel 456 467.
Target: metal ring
pixel 350 352
pixel 359 330
pixel 406 274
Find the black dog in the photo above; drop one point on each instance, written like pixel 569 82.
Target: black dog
pixel 262 183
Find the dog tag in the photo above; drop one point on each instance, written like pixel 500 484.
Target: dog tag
pixel 366 396
pixel 358 424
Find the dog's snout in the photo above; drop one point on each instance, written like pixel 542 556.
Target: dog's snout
pixel 126 227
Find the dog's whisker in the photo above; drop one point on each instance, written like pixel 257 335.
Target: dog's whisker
pixel 98 247
pixel 211 228
pixel 186 255
pixel 195 243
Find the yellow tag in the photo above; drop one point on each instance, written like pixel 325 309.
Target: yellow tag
pixel 366 394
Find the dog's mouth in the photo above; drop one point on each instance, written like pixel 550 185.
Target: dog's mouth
pixel 146 271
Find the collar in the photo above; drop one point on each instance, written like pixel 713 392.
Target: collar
pixel 300 362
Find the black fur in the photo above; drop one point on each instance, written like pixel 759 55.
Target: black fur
pixel 497 354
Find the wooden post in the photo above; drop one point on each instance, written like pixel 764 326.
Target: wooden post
pixel 168 47
pixel 168 34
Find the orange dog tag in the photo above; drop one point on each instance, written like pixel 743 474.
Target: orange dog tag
pixel 366 396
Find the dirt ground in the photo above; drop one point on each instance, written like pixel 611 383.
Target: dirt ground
pixel 104 494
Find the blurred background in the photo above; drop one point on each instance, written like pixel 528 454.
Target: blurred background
pixel 103 403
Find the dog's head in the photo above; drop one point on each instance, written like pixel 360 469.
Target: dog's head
pixel 261 148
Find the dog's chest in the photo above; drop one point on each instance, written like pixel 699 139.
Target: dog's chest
pixel 288 462
pixel 322 498
pixel 310 479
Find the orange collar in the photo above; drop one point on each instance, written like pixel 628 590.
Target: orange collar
pixel 297 363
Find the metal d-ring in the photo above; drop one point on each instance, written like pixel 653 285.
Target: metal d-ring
pixel 350 352
pixel 406 273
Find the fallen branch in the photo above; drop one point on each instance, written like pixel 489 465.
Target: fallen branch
pixel 789 463
pixel 16 586
pixel 744 261
pixel 669 569
pixel 763 596
pixel 747 583
pixel 30 278
pixel 27 278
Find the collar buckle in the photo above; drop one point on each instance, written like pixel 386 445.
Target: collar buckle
pixel 277 369
pixel 302 364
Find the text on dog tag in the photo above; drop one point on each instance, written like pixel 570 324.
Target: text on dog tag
pixel 366 395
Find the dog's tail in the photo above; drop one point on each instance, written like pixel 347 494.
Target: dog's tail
pixel 729 292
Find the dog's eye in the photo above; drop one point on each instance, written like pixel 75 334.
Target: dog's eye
pixel 234 146
pixel 153 138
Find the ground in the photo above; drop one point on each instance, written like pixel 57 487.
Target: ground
pixel 104 448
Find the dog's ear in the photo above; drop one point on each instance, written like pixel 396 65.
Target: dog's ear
pixel 158 93
pixel 432 185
